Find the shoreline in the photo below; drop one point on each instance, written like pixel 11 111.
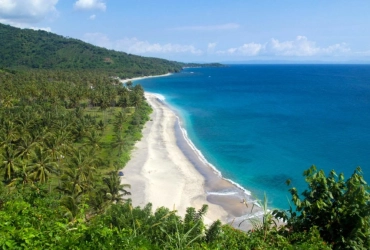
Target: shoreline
pixel 166 161
pixel 142 77
pixel 160 173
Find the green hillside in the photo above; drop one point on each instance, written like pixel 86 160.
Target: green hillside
pixel 26 48
pixel 67 127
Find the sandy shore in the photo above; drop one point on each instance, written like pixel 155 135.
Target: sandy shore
pixel 160 173
pixel 167 170
pixel 142 77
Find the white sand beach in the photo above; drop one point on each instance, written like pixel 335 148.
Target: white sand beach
pixel 160 173
pixel 142 77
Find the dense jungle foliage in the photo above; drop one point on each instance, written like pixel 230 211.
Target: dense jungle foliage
pixel 66 131
pixel 38 49
pixel 65 134
pixel 71 130
pixel 26 48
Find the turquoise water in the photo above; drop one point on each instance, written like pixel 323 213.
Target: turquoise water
pixel 263 124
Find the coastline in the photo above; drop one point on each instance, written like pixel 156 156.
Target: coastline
pixel 167 170
pixel 142 77
pixel 160 173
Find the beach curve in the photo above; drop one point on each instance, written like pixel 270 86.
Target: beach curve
pixel 160 173
pixel 165 170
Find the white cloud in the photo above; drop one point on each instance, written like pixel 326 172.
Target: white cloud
pixel 300 47
pixel 48 29
pixel 136 46
pixel 23 25
pixel 227 26
pixel 247 49
pixel 92 17
pixel 21 13
pixel 336 49
pixel 90 4
pixel 211 47
pixel 133 45
pixel 363 53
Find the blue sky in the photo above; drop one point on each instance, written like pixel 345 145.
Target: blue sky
pixel 207 31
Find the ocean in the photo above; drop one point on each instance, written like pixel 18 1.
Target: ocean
pixel 260 125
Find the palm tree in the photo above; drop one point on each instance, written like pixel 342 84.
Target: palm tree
pixel 62 127
pixel 93 97
pixel 93 140
pixel 25 122
pixel 136 99
pixel 129 84
pixel 101 126
pixel 9 131
pixel 114 189
pixel 26 145
pixel 119 142
pixel 120 121
pixel 71 205
pixel 58 144
pixel 72 184
pixel 81 168
pixel 22 176
pixel 42 165
pixel 98 200
pixel 124 100
pixel 8 102
pixel 139 89
pixel 10 161
pixel 40 134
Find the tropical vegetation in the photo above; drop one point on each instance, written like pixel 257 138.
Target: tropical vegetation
pixel 38 49
pixel 67 127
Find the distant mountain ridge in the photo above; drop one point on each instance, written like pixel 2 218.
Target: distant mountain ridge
pixel 37 49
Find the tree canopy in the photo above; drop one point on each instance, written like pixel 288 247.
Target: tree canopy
pixel 26 48
pixel 338 208
pixel 67 125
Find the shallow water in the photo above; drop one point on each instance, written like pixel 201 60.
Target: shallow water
pixel 263 124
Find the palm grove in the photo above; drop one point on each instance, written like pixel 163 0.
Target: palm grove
pixel 71 131
pixel 64 133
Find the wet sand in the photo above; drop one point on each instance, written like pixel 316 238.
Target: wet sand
pixel 167 170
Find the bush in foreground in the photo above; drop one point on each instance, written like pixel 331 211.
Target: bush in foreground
pixel 338 208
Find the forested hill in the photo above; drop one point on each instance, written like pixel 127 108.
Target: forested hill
pixel 26 48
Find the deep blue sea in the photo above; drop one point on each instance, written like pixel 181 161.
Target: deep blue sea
pixel 263 124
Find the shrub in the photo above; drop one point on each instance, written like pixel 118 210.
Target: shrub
pixel 339 209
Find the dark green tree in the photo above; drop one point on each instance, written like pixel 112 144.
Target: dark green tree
pixel 338 208
pixel 41 166
pixel 114 189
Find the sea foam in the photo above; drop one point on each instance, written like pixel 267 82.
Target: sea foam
pixel 204 160
pixel 223 193
pixel 200 155
pixel 158 96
